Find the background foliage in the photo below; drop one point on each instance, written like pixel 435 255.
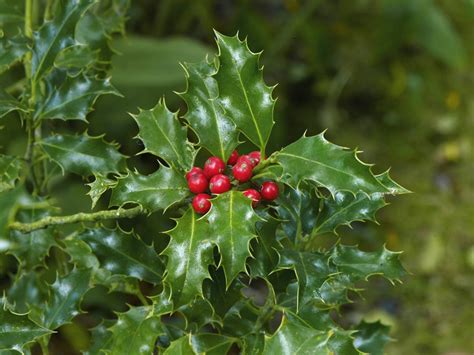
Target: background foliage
pixel 398 74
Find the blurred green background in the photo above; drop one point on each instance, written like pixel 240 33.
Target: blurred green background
pixel 392 77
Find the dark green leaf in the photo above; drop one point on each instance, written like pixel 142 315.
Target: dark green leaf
pixel 136 331
pixel 211 344
pixel 264 250
pixel 27 289
pixel 64 298
pixel 11 50
pixel 124 254
pixel 8 104
pixel 344 208
pixel 231 223
pixel 31 248
pixel 99 186
pixel 189 255
pixel 56 35
pixel 216 132
pixel 83 155
pixel 80 252
pixel 198 314
pixel 157 191
pixel 328 165
pixel 372 337
pixel 73 98
pixel 357 263
pixel 243 94
pixel 77 56
pixel 392 186
pixel 181 346
pixel 101 338
pixel 163 136
pixel 253 344
pixel 12 11
pixel 17 330
pixel 9 171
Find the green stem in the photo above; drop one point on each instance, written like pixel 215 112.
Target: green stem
pixel 43 342
pixel 78 217
pixel 29 18
pixel 141 297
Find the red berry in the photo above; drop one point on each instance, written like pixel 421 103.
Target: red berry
pixel 243 169
pixel 254 195
pixel 255 157
pixel 197 183
pixel 201 203
pixel 194 170
pixel 213 166
pixel 233 158
pixel 219 183
pixel 269 190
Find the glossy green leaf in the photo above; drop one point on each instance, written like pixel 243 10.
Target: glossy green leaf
pixel 55 35
pixel 243 94
pixel 231 223
pixel 211 343
pixel 135 331
pixel 157 191
pixel 8 104
pixel 27 289
pixel 311 271
pixel 77 56
pixel 198 314
pixel 101 338
pixel 264 251
pixel 298 210
pixel 392 186
pixel 372 337
pixel 73 98
pixel 189 255
pixel 353 261
pixel 163 136
pixel 83 155
pixel 11 51
pixel 17 330
pixel 124 254
pixel 10 168
pixel 64 298
pixel 31 248
pixel 328 165
pixel 80 252
pixel 181 346
pixel 344 208
pixel 253 344
pixel 100 185
pixel 216 132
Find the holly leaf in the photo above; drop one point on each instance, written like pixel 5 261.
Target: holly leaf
pixel 157 191
pixel 83 155
pixel 27 289
pixel 189 255
pixel 124 253
pixel 181 346
pixel 17 330
pixel 198 314
pixel 311 269
pixel 163 136
pixel 298 210
pixel 357 263
pixel 31 248
pixel 211 343
pixel 264 250
pixel 371 338
pixel 216 132
pixel 344 208
pixel 136 330
pixel 80 252
pixel 11 51
pixel 64 298
pixel 328 165
pixel 72 98
pixel 77 57
pixel 101 338
pixel 55 35
pixel 243 94
pixel 10 168
pixel 99 186
pixel 9 104
pixel 392 186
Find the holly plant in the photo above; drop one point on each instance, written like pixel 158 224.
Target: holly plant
pixel 239 255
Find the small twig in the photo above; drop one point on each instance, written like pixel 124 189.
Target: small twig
pixel 78 217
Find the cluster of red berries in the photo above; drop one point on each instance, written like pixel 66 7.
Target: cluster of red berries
pixel 212 178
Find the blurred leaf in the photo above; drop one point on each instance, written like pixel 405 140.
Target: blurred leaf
pixel 372 337
pixel 157 191
pixel 74 98
pixel 17 330
pixel 10 168
pixel 11 50
pixel 77 56
pixel 124 254
pixel 163 136
pixel 12 12
pixel 216 132
pixel 8 104
pixel 328 165
pixel 83 155
pixel 243 94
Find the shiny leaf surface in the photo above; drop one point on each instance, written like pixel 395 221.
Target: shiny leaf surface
pixel 11 51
